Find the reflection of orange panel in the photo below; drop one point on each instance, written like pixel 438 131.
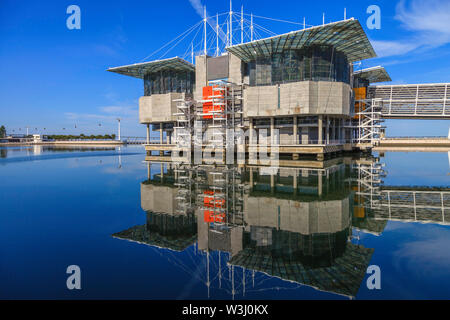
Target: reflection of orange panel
pixel 358 212
pixel 210 202
pixel 210 216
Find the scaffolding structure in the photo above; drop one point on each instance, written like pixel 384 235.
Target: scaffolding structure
pixel 220 196
pixel 184 120
pixel 369 122
pixel 369 181
pixel 221 112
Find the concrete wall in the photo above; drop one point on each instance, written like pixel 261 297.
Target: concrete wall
pixel 159 199
pixel 235 69
pixel 200 76
pixel 300 217
pixel 159 107
pixel 297 98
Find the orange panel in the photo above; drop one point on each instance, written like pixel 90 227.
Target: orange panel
pixel 359 212
pixel 360 94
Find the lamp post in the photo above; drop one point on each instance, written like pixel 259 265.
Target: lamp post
pixel 118 119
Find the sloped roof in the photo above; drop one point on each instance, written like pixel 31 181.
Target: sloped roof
pixel 138 70
pixel 374 74
pixel 346 36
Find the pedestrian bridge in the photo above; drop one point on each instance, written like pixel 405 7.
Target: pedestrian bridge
pixel 413 101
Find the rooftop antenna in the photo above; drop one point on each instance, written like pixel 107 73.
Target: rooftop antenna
pixel 251 27
pixel 204 26
pixel 323 20
pixel 345 13
pixel 242 24
pixel 231 23
pixel 217 34
pixel 304 22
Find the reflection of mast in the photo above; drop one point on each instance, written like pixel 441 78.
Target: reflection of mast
pixel 232 281
pixel 207 271
pixel 220 272
pixel 120 158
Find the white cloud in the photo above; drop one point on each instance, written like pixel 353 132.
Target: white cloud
pixel 119 110
pixel 429 22
pixel 197 5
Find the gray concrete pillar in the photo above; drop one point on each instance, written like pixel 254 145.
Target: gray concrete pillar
pixel 161 133
pixel 148 133
pixel 295 131
pixel 305 135
pixel 272 130
pixel 272 182
pixel 250 137
pixel 320 130
pixel 327 130
pixel 319 188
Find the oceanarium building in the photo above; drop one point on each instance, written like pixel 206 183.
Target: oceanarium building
pixel 299 88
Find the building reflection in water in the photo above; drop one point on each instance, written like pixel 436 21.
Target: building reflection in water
pixel 295 222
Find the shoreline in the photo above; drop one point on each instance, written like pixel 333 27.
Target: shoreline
pixel 62 143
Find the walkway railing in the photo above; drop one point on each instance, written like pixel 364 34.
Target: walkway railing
pixel 417 100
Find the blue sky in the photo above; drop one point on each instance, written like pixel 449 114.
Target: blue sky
pixel 56 78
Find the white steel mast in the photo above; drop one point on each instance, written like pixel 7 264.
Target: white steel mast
pixel 204 27
pixel 217 34
pixel 242 24
pixel 231 23
pixel 251 27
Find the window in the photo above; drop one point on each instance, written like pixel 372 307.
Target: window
pixel 168 81
pixel 317 63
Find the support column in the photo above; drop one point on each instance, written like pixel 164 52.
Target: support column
pixel 305 135
pixel 161 153
pixel 148 133
pixel 327 131
pixel 295 182
pixel 320 130
pixel 250 136
pixel 251 178
pixel 319 176
pixel 272 136
pixel 272 182
pixel 272 129
pixel 295 131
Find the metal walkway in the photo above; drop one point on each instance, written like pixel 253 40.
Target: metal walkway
pixel 397 203
pixel 413 101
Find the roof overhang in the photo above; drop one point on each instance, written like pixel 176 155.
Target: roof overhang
pixel 138 70
pixel 374 74
pixel 346 36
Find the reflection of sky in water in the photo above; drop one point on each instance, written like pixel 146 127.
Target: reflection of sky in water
pixel 63 210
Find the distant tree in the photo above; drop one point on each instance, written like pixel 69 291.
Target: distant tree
pixel 113 136
pixel 2 132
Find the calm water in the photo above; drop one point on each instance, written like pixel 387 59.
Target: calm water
pixel 300 232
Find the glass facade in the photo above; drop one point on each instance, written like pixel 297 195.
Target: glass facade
pixel 168 81
pixel 316 63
